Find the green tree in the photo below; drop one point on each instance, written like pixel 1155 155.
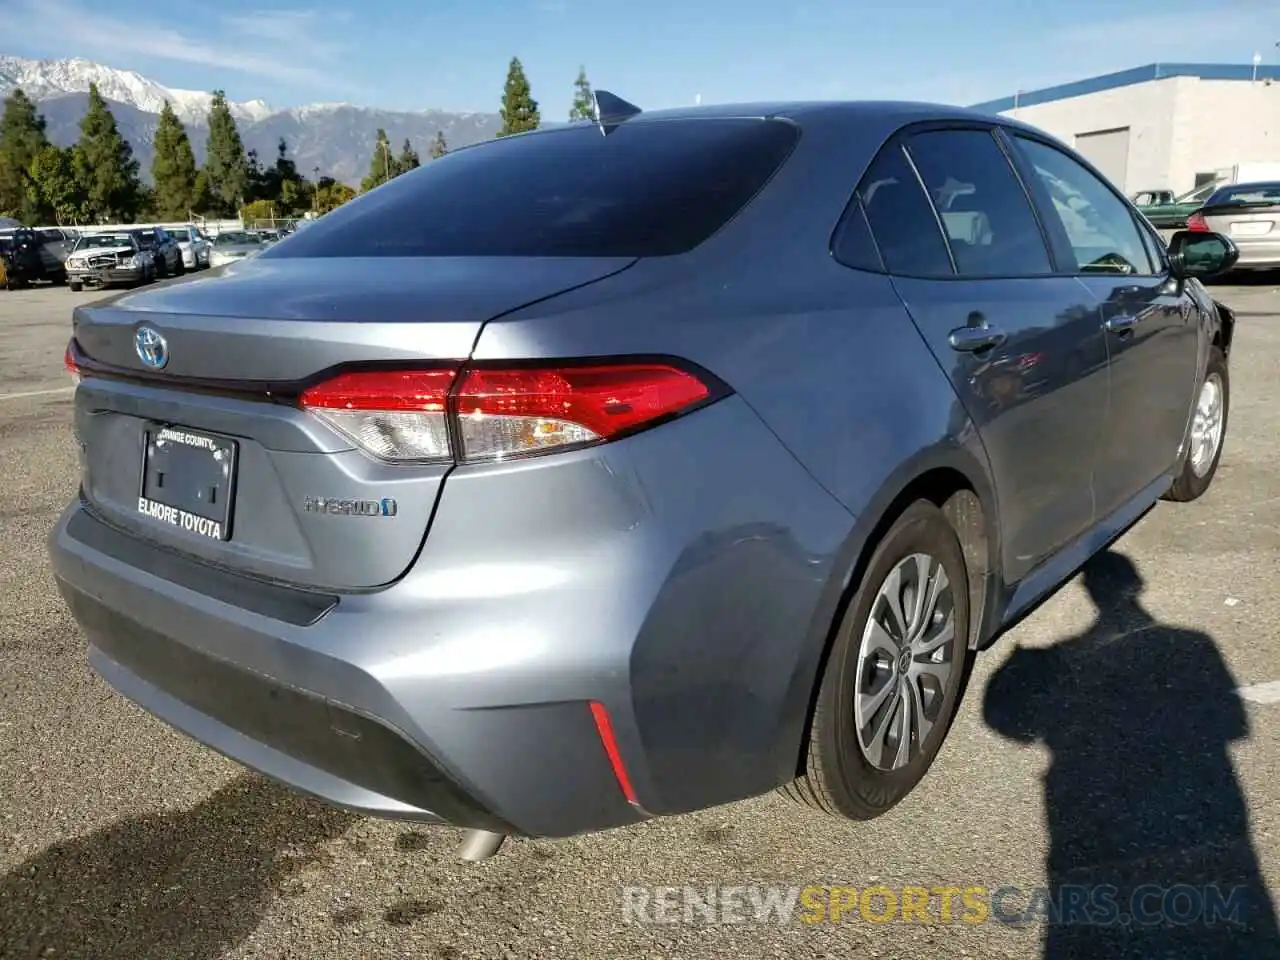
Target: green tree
pixel 105 164
pixel 583 107
pixel 408 159
pixel 382 165
pixel 331 194
pixel 519 110
pixel 22 137
pixel 61 198
pixel 202 201
pixel 438 147
pixel 173 168
pixel 225 165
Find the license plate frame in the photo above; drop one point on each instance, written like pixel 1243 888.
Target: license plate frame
pixel 202 471
pixel 1251 228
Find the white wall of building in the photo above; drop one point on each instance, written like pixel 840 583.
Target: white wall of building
pixel 1177 127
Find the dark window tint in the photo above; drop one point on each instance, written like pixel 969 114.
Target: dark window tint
pixel 50 236
pixel 988 219
pixel 1099 225
pixel 853 245
pixel 1246 195
pixel 901 220
pixel 649 188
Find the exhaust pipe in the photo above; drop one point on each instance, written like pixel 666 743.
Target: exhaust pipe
pixel 480 845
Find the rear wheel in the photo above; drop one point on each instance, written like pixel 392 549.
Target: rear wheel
pixel 1207 433
pixel 75 287
pixel 895 674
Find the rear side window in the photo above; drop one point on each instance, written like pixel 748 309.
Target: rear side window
pixel 648 189
pixel 901 220
pixel 989 221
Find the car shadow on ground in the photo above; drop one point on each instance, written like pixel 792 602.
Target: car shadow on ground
pixel 1146 817
pixel 191 885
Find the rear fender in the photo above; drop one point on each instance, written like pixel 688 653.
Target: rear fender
pixel 934 473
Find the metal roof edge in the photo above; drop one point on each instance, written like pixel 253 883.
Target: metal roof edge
pixel 1127 78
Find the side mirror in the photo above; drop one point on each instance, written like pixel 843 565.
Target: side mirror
pixel 1195 253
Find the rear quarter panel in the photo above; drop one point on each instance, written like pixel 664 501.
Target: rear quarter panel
pixel 829 361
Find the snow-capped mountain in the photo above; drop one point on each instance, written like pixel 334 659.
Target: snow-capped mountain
pixel 43 79
pixel 336 138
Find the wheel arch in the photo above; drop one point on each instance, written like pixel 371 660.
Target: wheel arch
pixel 953 478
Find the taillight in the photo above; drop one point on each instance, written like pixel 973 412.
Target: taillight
pixel 1197 223
pixel 498 413
pixel 393 414
pixel 504 413
pixel 69 364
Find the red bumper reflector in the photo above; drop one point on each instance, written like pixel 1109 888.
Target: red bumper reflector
pixel 605 729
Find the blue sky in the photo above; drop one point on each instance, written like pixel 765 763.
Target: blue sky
pixel 453 54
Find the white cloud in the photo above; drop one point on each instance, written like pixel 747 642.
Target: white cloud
pixel 65 23
pixel 296 30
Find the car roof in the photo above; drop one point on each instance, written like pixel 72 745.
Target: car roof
pixel 880 113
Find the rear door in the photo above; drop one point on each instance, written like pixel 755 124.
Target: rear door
pixel 1151 324
pixel 1021 345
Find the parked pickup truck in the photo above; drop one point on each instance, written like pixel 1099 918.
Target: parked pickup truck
pixel 1167 212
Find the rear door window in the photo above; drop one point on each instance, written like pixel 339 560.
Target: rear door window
pixel 649 188
pixel 902 222
pixel 989 221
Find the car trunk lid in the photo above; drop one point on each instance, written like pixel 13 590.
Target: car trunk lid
pixel 207 453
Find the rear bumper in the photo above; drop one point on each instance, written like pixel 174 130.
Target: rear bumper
pixel 1259 255
pixel 690 596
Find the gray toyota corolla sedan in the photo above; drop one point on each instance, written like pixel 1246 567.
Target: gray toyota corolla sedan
pixel 631 467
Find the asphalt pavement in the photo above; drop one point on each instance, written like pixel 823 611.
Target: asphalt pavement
pixel 1124 735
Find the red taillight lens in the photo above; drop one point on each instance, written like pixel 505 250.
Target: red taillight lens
pixel 404 415
pixel 69 364
pixel 393 414
pixel 1197 223
pixel 503 413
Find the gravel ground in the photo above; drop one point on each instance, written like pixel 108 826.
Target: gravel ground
pixel 1104 740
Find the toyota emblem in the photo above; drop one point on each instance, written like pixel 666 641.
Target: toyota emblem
pixel 152 349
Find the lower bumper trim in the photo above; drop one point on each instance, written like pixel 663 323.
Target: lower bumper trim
pixel 320 733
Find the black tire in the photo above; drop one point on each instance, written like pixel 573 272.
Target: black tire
pixel 837 777
pixel 181 268
pixel 74 287
pixel 1190 485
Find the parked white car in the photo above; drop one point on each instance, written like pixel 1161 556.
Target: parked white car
pixel 195 246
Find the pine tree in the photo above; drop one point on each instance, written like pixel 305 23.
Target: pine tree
pixel 225 164
pixel 173 168
pixel 438 147
pixel 105 164
pixel 22 137
pixel 519 110
pixel 61 198
pixel 408 160
pixel 382 166
pixel 584 103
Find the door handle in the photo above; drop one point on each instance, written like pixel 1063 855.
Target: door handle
pixel 975 339
pixel 1124 323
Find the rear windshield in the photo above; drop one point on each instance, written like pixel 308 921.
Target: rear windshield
pixel 1246 194
pixel 648 189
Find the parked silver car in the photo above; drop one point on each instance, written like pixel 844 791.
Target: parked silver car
pixel 1248 213
pixel 572 480
pixel 193 244
pixel 234 245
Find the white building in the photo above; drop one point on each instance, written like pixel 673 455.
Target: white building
pixel 1163 126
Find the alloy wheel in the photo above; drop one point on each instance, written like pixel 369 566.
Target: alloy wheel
pixel 1206 425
